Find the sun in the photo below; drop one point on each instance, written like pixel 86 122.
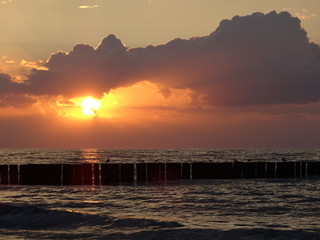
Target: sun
pixel 90 106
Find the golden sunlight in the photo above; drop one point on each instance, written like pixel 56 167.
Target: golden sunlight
pixel 90 106
pixel 123 103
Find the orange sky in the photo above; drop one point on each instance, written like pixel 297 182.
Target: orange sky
pixel 251 82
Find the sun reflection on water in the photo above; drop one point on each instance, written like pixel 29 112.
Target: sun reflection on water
pixel 90 155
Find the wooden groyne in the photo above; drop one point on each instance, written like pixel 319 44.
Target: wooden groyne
pixel 113 173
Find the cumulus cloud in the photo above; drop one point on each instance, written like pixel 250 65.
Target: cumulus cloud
pixel 7 86
pixel 12 94
pixel 84 70
pixel 248 60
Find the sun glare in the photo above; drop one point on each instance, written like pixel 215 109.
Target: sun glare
pixel 90 106
pixel 122 104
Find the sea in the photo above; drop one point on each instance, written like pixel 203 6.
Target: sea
pixel 221 209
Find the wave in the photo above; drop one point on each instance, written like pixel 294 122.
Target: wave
pixel 204 234
pixel 28 217
pixel 143 223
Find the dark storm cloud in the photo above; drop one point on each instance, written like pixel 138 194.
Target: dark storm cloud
pixel 256 59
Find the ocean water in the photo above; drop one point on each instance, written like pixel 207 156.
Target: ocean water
pixel 187 209
pixel 60 156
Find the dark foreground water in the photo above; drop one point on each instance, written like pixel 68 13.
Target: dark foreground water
pixel 197 209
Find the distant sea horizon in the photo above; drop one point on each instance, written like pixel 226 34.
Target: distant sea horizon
pixel 100 155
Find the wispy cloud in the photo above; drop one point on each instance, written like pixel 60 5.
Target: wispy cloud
pixel 302 14
pixel 4 2
pixel 88 6
pixel 39 65
pixel 305 15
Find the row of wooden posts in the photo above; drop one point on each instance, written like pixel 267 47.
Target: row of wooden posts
pixel 112 173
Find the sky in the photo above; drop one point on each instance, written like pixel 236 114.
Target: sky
pixel 159 74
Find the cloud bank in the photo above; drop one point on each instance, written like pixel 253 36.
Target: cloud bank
pixel 248 60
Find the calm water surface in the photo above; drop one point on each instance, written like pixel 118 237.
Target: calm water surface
pixel 27 156
pixel 198 209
